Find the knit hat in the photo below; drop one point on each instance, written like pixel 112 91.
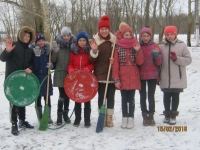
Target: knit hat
pixel 104 22
pixel 66 31
pixel 39 36
pixel 145 30
pixel 123 28
pixel 170 29
pixel 82 34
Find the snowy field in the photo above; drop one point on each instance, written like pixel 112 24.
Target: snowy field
pixel 184 137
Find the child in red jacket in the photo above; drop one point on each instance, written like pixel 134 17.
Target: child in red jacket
pixel 149 75
pixel 125 71
pixel 79 60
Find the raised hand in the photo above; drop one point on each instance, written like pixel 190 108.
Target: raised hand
pixel 55 46
pixel 93 44
pixel 9 46
pixel 155 50
pixel 37 51
pixel 136 46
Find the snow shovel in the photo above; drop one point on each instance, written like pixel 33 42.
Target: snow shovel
pixel 45 117
pixel 101 118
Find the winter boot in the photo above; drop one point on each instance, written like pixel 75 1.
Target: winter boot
pixel 124 122
pixel 87 112
pixel 129 123
pixel 77 117
pixel 167 116
pixel 50 120
pixel 66 117
pixel 39 112
pixel 109 117
pixel 25 124
pixel 173 115
pixel 151 119
pixel 145 119
pixel 59 118
pixel 14 129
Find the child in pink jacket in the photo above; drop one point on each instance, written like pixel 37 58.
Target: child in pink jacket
pixel 125 71
pixel 149 75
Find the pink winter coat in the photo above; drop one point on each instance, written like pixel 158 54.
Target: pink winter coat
pixel 125 68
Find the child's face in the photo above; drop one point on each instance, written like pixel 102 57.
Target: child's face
pixel 104 32
pixel 66 38
pixel 82 42
pixel 26 38
pixel 127 35
pixel 170 37
pixel 41 43
pixel 146 37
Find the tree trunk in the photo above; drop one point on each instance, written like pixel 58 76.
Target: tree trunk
pixel 189 24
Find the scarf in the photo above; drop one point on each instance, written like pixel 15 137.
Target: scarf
pixel 126 43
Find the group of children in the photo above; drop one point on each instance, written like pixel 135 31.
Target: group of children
pixel 135 64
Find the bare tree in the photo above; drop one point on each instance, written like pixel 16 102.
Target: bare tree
pixel 189 24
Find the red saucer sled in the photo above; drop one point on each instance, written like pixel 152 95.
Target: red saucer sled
pixel 81 86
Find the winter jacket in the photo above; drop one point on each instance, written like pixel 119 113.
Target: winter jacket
pixel 149 69
pixel 79 58
pixel 127 72
pixel 102 58
pixel 61 59
pixel 21 57
pixel 40 69
pixel 173 73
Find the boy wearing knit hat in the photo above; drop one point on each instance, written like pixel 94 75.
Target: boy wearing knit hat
pixel 127 57
pixel 40 69
pixel 79 59
pixel 173 80
pixel 100 54
pixel 60 56
pixel 148 75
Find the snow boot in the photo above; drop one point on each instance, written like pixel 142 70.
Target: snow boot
pixel 167 116
pixel 173 114
pixel 50 120
pixel 14 129
pixel 77 117
pixel 109 117
pixel 145 119
pixel 124 122
pixel 66 117
pixel 129 123
pixel 151 119
pixel 87 112
pixel 25 124
pixel 59 118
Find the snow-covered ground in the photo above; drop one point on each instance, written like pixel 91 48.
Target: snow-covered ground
pixel 116 138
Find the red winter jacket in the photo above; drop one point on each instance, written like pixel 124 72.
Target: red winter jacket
pixel 79 58
pixel 126 71
pixel 149 69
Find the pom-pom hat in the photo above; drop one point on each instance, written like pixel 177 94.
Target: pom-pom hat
pixel 66 31
pixel 123 28
pixel 104 22
pixel 39 36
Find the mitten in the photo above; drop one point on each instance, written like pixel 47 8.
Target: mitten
pixel 37 51
pixel 50 65
pixel 155 54
pixel 173 56
pixel 86 69
pixel 55 47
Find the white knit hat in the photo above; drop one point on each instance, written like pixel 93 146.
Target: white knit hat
pixel 66 31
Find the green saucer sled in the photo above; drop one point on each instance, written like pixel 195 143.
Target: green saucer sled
pixel 21 88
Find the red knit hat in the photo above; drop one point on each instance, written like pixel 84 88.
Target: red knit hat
pixel 170 29
pixel 104 22
pixel 123 28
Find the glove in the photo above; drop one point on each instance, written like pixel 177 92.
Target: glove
pixel 86 69
pixel 55 47
pixel 37 51
pixel 50 65
pixel 71 71
pixel 173 56
pixel 155 54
